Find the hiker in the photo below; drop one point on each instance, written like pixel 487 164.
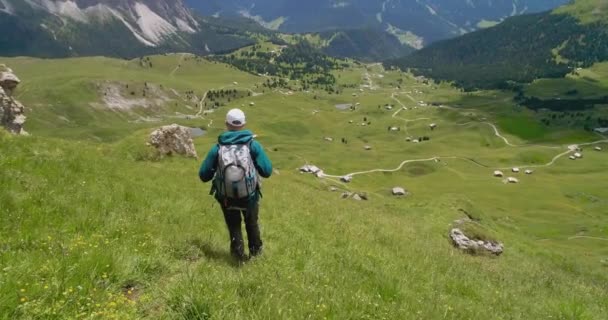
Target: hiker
pixel 234 164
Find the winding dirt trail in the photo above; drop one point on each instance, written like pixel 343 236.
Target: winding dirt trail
pixel 557 157
pixel 494 127
pixel 199 113
pixel 438 158
pixel 503 138
pixel 404 107
pixel 588 237
pixel 200 104
pixel 402 164
pixel 179 64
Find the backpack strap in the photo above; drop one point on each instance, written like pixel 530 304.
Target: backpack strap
pixel 257 187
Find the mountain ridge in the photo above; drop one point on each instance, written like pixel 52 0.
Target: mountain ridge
pixel 124 28
pixel 425 21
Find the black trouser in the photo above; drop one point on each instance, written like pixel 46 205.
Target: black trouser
pixel 232 214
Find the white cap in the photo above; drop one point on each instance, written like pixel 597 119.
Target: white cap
pixel 235 117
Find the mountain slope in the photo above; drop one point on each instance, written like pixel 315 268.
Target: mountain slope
pixel 521 49
pixel 123 28
pixel 425 21
pixel 364 44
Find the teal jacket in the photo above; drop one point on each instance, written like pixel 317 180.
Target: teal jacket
pixel 260 159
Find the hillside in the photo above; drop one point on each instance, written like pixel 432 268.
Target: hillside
pixel 125 28
pixel 521 49
pixel 423 21
pixel 104 99
pixel 94 225
pixel 364 44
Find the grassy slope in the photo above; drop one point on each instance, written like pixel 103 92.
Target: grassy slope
pixel 82 223
pixel 587 11
pixel 67 88
pixel 589 83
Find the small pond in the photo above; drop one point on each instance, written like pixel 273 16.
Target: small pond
pixel 197 132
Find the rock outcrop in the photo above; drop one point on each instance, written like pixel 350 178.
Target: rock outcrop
pixel 173 139
pixel 11 111
pixel 461 241
pixel 357 196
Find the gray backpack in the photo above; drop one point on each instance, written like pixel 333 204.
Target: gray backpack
pixel 237 175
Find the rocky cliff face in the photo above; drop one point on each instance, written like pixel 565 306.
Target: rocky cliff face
pixel 117 28
pixel 150 21
pixel 11 111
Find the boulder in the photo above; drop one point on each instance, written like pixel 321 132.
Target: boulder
pixel 357 197
pixel 363 196
pixel 598 148
pixel 515 170
pixel 12 112
pixel 572 157
pixel 462 242
pixel 173 139
pixel 329 139
pixel 529 171
pixel 320 174
pixel 333 189
pixel 368 148
pixel 398 191
pixel 578 155
pixel 498 174
pixel 345 195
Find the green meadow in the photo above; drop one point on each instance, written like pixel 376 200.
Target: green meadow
pixel 581 83
pixel 94 226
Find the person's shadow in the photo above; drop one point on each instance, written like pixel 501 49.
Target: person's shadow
pixel 216 254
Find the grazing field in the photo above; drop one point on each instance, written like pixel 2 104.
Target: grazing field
pixel 93 227
pixel 581 83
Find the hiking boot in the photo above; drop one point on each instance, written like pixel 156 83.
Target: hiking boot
pixel 256 252
pixel 239 256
